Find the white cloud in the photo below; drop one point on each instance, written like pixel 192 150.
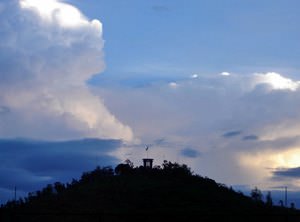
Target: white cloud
pixel 225 74
pixel 53 11
pixel 194 76
pixel 47 53
pixel 265 162
pixel 276 81
pixel 202 111
pixel 173 85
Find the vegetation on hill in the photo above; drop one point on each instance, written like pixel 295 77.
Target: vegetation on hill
pixel 170 192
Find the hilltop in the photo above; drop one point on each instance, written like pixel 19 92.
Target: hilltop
pixel 170 192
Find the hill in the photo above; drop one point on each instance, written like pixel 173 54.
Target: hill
pixel 170 192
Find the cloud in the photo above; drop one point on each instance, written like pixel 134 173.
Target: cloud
pixel 191 153
pixel 194 76
pixel 288 173
pixel 53 11
pixel 173 85
pixel 4 110
pixel 31 164
pixel 232 134
pixel 225 74
pixel 276 81
pixel 48 52
pixel 250 137
pixel 260 127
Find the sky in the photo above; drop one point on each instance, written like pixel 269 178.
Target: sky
pixel 212 84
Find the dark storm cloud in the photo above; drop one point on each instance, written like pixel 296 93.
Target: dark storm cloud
pixel 30 165
pixel 232 134
pixel 287 172
pixel 191 153
pixel 22 179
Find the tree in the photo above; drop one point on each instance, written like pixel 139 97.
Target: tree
pixel 281 203
pixel 48 190
pixel 124 168
pixel 97 174
pixel 293 206
pixel 256 195
pixel 269 200
pixel 59 187
pixel 176 169
pixel 129 162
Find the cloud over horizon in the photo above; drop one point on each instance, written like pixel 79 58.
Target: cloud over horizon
pixel 49 50
pixel 242 125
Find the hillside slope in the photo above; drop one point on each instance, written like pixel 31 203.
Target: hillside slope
pixel 166 193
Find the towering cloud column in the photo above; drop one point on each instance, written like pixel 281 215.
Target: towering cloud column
pixel 48 51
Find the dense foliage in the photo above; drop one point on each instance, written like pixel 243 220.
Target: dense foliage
pixel 170 192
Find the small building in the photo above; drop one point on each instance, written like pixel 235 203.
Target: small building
pixel 148 163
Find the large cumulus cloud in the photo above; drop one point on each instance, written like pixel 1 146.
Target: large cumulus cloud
pixel 48 51
pixel 244 125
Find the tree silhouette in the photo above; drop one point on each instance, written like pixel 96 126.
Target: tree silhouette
pixel 269 200
pixel 281 203
pixel 293 206
pixel 176 169
pixel 256 195
pixel 134 193
pixel 123 169
pixel 59 187
pixel 48 190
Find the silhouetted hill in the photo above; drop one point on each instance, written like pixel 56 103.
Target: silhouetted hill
pixel 165 193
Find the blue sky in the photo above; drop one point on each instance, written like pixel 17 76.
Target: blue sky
pixel 198 36
pixel 213 84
